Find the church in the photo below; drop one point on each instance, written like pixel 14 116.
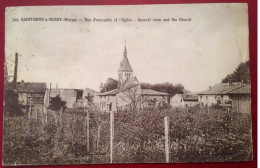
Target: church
pixel 129 94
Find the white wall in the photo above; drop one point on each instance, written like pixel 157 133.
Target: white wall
pixel 212 99
pixel 177 101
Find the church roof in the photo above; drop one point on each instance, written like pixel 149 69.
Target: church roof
pixel 125 65
pixel 116 91
pixel 150 92
pixel 130 81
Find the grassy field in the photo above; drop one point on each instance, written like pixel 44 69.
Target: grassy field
pixel 196 135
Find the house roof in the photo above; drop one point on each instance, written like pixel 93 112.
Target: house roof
pixel 27 87
pixel 148 92
pixel 222 88
pixel 108 93
pixel 246 89
pixel 115 91
pixel 176 95
pixel 88 90
pixel 125 65
pixel 151 92
pixel 65 92
pixel 190 97
pixel 130 81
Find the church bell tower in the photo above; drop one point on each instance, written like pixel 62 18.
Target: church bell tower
pixel 125 70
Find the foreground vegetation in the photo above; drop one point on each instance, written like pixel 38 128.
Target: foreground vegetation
pixel 196 135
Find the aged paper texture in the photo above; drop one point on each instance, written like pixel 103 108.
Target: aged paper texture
pixel 127 84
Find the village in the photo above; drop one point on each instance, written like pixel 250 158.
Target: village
pixel 121 123
pixel 34 95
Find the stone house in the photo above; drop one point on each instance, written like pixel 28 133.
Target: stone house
pixel 218 94
pixel 30 94
pixel 180 100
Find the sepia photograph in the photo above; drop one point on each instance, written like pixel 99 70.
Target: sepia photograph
pixel 127 84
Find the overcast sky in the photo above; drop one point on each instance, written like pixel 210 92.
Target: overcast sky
pixel 196 53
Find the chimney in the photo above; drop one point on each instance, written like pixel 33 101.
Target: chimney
pixel 209 87
pixel 229 82
pixel 15 68
pixel 242 82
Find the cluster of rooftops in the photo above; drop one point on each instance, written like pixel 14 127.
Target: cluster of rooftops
pixel 228 88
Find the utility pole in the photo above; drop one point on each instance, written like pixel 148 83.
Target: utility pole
pixel 167 140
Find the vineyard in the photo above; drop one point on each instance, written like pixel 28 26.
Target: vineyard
pixel 78 136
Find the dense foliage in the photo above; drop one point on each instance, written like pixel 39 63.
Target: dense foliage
pixel 165 87
pixel 110 84
pixel 242 73
pixel 196 135
pixel 56 103
pixel 11 103
pixel 89 97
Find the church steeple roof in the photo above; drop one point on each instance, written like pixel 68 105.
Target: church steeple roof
pixel 125 65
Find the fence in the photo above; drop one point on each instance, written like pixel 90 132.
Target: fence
pixel 195 135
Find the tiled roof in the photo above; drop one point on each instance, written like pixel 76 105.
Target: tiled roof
pixel 111 92
pixel 222 88
pixel 242 90
pixel 88 90
pixel 143 91
pixel 115 91
pixel 152 92
pixel 27 87
pixel 130 81
pixel 190 97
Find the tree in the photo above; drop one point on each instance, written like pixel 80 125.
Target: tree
pixel 165 87
pixel 12 106
pixel 132 96
pixel 89 97
pixel 242 73
pixel 111 84
pixel 56 103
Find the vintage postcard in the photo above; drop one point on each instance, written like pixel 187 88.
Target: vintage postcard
pixel 127 84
